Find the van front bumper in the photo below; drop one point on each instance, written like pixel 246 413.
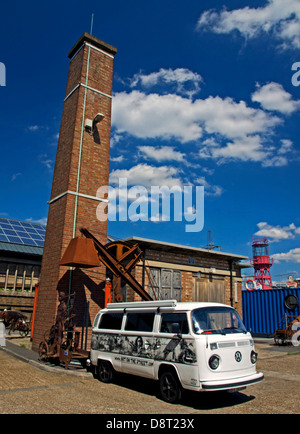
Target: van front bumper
pixel 237 383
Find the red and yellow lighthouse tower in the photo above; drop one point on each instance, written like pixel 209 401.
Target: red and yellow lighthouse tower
pixel 261 263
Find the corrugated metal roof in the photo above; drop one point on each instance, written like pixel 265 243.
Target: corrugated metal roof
pixel 21 248
pixel 160 245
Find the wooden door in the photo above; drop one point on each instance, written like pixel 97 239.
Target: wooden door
pixel 206 289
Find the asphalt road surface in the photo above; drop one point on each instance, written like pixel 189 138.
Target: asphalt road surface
pixel 28 389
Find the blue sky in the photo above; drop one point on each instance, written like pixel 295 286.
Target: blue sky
pixel 203 95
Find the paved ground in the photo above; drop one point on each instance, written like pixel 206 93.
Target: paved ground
pixel 35 389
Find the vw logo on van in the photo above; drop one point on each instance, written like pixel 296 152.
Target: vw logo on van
pixel 238 356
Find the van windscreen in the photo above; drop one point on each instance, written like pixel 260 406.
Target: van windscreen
pixel 219 320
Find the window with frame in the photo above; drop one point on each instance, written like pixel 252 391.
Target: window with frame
pixel 174 323
pixel 110 320
pixel 141 322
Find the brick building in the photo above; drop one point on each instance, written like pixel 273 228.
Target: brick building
pixel 81 167
pixel 187 273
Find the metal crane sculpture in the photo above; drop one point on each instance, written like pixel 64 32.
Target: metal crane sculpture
pixel 89 252
pixel 120 259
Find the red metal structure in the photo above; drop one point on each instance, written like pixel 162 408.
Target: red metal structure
pixel 261 263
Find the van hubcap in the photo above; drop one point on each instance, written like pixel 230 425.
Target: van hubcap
pixel 169 387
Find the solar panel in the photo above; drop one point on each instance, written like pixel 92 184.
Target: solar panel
pixel 12 239
pixel 18 232
pixel 10 232
pixel 26 240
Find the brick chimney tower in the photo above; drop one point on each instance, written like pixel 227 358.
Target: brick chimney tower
pixel 81 167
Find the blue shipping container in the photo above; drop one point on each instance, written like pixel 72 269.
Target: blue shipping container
pixel 263 309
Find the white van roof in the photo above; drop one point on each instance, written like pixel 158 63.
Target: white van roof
pixel 174 304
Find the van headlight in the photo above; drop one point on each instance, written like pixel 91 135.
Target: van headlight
pixel 253 357
pixel 214 362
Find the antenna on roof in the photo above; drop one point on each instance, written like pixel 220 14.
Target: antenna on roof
pixel 92 23
pixel 210 244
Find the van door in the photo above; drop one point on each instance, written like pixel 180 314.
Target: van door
pixel 106 339
pixel 175 345
pixel 137 349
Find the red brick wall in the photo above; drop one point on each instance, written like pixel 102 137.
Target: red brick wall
pixel 87 284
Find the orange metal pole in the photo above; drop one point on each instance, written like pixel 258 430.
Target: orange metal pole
pixel 107 298
pixel 34 309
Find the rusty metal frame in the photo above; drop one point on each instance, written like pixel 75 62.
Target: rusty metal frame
pixel 116 266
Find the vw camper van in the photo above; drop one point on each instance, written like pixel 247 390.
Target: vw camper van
pixel 195 346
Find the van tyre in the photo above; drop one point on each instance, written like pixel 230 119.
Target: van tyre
pixel 105 371
pixel 170 387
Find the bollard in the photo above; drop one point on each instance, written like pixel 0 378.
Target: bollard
pixel 2 334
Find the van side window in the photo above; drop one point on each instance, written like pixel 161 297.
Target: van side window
pixel 141 322
pixel 174 323
pixel 111 321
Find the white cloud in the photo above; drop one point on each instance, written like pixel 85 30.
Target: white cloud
pixel 114 139
pixel 275 161
pixel 286 146
pixel 164 153
pixel 276 233
pixel 117 159
pixel 248 148
pixel 231 130
pixel 147 176
pixel 186 82
pixel 209 189
pixel 279 18
pixel 42 221
pixel 281 157
pixel 15 176
pixel 155 116
pixel 231 119
pixel 34 128
pixel 172 116
pixel 46 161
pixel 273 97
pixel 292 256
pixel 244 149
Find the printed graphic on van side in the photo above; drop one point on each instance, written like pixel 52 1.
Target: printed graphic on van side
pixel 172 350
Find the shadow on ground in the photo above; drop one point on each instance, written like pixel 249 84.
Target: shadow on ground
pixel 196 400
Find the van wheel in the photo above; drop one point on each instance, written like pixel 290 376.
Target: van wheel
pixel 105 371
pixel 170 387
